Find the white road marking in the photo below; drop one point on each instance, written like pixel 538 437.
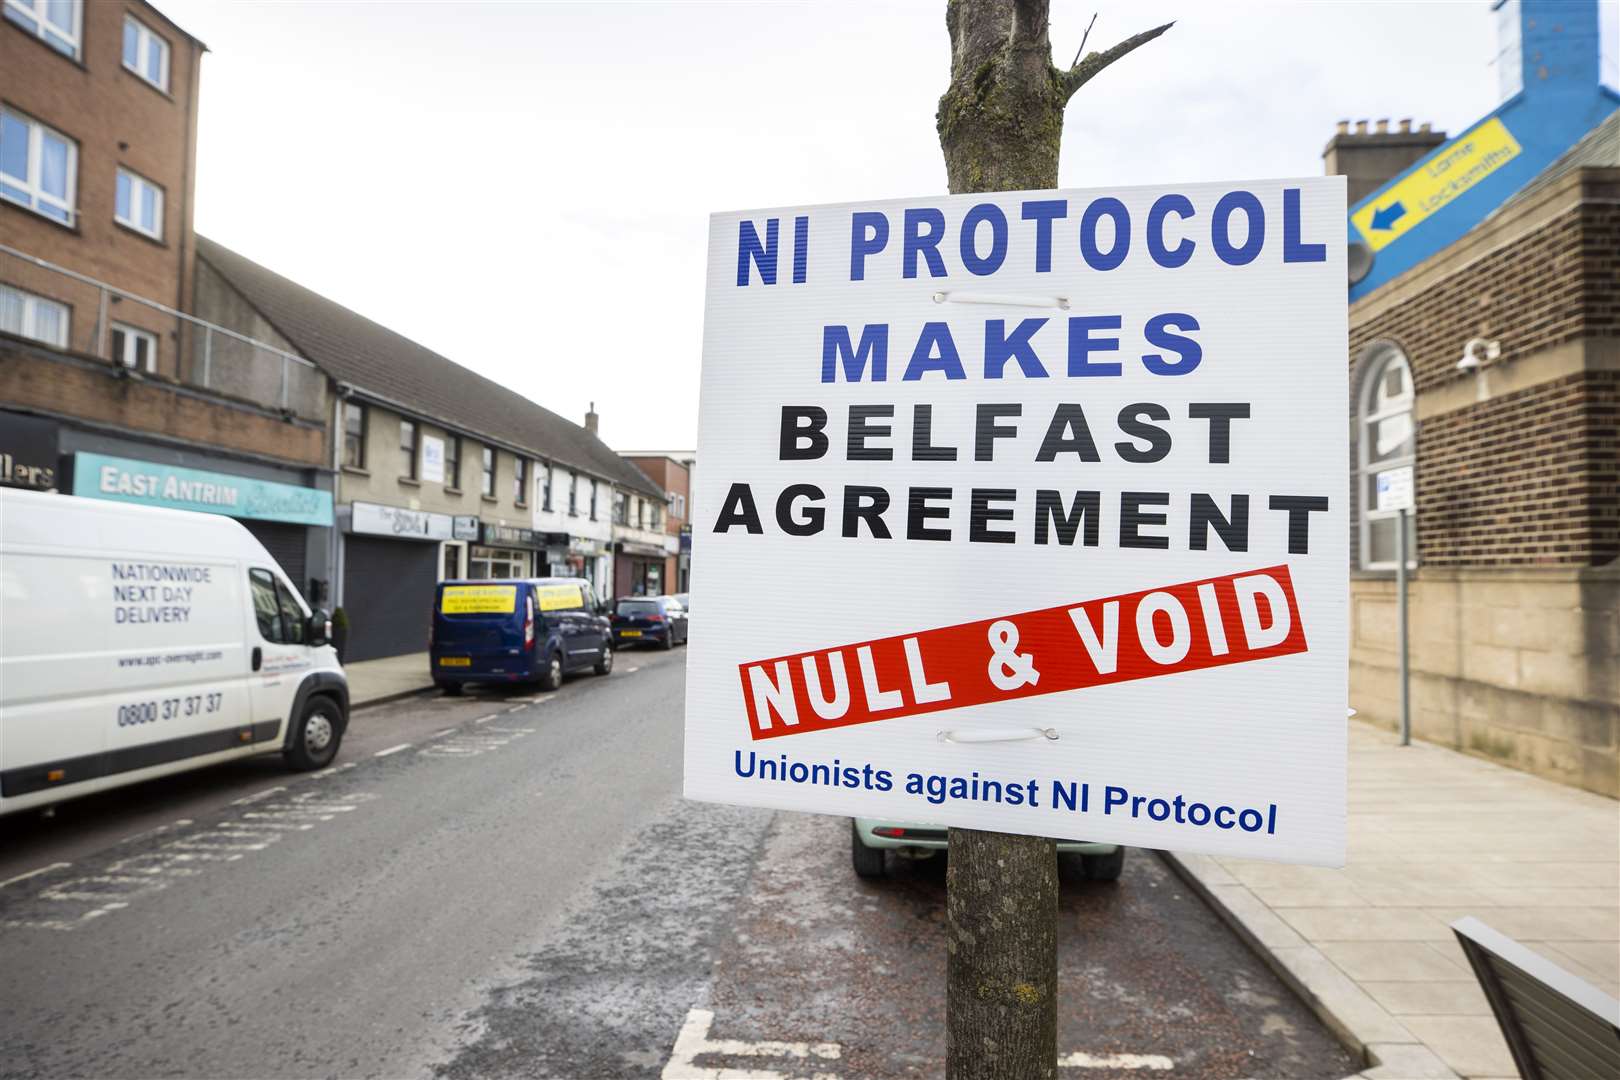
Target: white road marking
pixel 1150 1062
pixel 480 720
pixel 631 670
pixel 517 708
pixel 257 795
pixel 392 750
pixel 35 873
pixel 694 1040
pixel 159 831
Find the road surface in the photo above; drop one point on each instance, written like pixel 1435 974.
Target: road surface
pixel 511 885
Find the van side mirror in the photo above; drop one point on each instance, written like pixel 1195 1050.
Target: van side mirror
pixel 318 630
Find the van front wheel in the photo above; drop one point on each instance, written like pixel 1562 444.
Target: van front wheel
pixel 315 736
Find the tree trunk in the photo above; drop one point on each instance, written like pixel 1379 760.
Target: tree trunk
pixel 1001 127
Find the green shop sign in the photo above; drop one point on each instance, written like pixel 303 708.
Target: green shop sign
pixel 98 476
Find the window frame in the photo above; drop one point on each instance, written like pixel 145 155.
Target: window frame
pixel 520 480
pixel 132 334
pixel 452 461
pixel 573 494
pixel 488 466
pixel 30 318
pixel 137 183
pixel 144 36
pixel 543 478
pixel 1380 358
pixel 593 498
pixel 411 451
pixel 358 459
pixel 30 184
pixel 35 10
pixel 621 508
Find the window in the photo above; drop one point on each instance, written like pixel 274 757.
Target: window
pixel 140 204
pixel 593 500
pixel 641 513
pixel 677 507
pixel 573 495
pixel 280 616
pixel 354 435
pixel 657 515
pixel 520 480
pixel 134 348
pixel 1386 448
pixel 30 316
pixel 57 22
pixel 621 508
pixel 146 54
pixel 452 461
pixel 407 449
pixel 498 563
pixel 545 485
pixel 488 487
pixel 38 167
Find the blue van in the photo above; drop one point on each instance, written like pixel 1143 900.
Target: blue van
pixel 516 630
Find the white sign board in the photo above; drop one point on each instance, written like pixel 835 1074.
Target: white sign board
pixel 1394 489
pixel 398 521
pixel 432 459
pixel 1027 512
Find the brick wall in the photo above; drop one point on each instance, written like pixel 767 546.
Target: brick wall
pixel 1529 478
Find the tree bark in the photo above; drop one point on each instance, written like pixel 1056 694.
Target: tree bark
pixel 1001 128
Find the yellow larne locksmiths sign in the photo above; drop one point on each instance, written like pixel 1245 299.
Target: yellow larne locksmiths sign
pixel 478 599
pixel 558 597
pixel 1453 169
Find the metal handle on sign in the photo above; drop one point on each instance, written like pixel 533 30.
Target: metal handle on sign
pixel 1001 299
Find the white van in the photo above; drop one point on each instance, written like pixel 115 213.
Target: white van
pixel 137 642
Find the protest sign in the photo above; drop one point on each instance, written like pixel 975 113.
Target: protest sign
pixel 1028 512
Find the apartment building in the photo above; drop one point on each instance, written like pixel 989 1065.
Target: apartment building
pixel 440 472
pixel 108 389
pixel 672 471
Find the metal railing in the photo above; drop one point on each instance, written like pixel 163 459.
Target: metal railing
pixel 106 322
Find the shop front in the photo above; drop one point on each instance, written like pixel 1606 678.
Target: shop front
pixel 639 568
pixel 509 551
pixel 280 515
pixel 392 559
pixel 587 558
pixel 29 453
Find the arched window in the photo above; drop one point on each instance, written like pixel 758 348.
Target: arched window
pixel 1385 456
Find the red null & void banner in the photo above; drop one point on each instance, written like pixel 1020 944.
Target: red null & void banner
pixel 1198 624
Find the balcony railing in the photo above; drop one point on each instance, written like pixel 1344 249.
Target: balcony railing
pixel 109 323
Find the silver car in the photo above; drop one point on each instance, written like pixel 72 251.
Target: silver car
pixel 869 838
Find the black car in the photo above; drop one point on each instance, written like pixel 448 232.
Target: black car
pixel 649 620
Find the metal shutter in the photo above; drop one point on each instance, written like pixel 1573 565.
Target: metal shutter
pixel 388 595
pixel 287 544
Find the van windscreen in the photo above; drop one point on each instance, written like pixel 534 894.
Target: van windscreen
pixel 478 600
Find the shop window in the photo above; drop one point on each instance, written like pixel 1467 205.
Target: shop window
pixel 146 54
pixel 38 167
pixel 520 481
pixel 354 435
pixel 139 204
pixel 30 316
pixel 407 449
pixel 1386 447
pixel 56 22
pixel 134 348
pixel 452 462
pixel 497 563
pixel 488 487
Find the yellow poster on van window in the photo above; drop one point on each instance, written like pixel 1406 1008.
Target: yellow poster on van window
pixel 558 597
pixel 1451 171
pixel 478 599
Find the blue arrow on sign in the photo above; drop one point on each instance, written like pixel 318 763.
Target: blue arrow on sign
pixel 1385 217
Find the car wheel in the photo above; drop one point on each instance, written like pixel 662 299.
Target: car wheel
pixel 604 663
pixel 552 679
pixel 316 735
pixel 451 689
pixel 669 639
pixel 868 861
pixel 1104 867
pixel 1071 866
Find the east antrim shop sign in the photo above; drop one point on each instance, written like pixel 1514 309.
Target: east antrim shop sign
pixel 1026 512
pixel 127 480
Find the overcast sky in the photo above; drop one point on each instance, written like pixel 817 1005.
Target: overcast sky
pixel 525 187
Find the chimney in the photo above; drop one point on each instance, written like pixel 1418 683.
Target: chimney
pixel 1371 158
pixel 591 418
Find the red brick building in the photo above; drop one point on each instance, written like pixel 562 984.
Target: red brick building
pixel 673 472
pixel 1515 455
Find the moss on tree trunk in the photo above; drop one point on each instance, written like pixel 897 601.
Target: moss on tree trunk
pixel 1001 129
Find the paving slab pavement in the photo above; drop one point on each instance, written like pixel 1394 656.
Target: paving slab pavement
pixel 1434 835
pixel 371 681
